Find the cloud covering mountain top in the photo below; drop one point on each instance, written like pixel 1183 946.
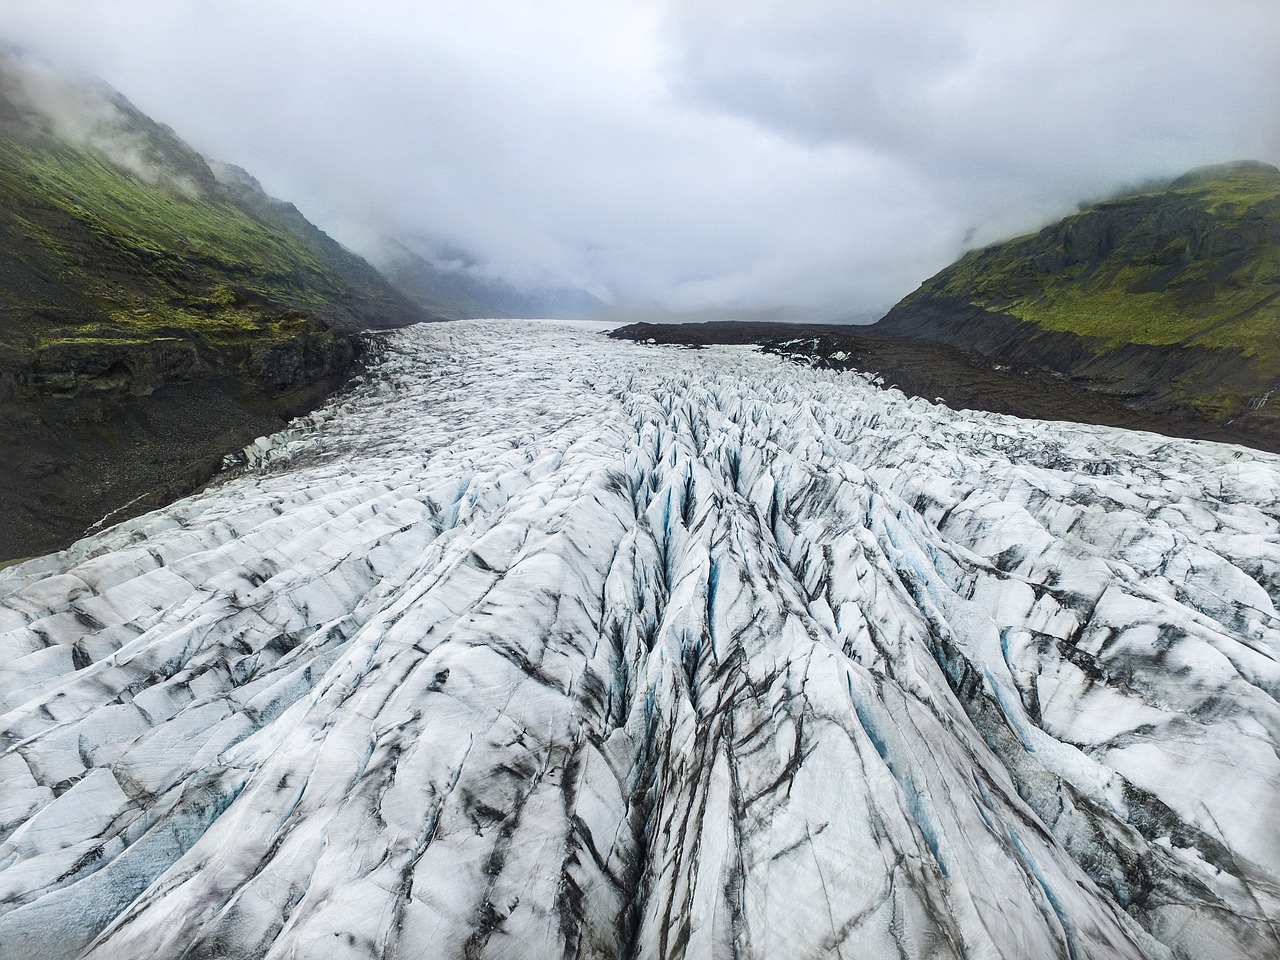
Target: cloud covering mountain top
pixel 694 155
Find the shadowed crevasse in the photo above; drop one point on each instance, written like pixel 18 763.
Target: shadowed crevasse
pixel 541 644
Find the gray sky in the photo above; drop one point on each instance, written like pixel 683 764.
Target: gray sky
pixel 695 155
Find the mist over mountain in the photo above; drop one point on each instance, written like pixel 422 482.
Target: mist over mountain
pixel 1153 310
pixel 449 286
pixel 1165 298
pixel 689 157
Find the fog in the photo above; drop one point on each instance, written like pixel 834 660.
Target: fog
pixel 807 158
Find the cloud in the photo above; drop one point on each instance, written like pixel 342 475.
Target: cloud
pixel 815 153
pixel 1006 91
pixel 85 113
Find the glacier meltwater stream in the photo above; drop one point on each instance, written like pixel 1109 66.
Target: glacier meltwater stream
pixel 543 645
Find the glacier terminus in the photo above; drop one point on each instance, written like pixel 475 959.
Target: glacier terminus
pixel 541 645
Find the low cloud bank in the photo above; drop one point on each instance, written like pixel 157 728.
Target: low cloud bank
pixel 709 156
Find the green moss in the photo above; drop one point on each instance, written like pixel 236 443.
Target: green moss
pixel 1233 194
pixel 206 238
pixel 1113 315
pixel 155 263
pixel 75 338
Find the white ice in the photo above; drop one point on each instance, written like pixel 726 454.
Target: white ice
pixel 544 645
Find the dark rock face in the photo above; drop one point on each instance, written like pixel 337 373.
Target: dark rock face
pixel 97 436
pixel 121 367
pixel 111 428
pixel 1161 381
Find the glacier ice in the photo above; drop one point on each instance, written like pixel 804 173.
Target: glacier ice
pixel 542 645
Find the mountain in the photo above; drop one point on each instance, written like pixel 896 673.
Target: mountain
pixel 158 311
pixel 1165 299
pixel 544 645
pixel 455 290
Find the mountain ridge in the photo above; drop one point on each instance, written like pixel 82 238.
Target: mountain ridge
pixel 155 315
pixel 459 293
pixel 1168 299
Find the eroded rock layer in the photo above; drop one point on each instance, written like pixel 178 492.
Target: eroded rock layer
pixel 542 645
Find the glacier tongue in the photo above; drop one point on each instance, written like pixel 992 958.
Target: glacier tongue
pixel 541 645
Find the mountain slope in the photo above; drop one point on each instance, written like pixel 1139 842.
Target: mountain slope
pixel 153 315
pixel 119 214
pixel 1168 299
pixel 460 294
pixel 565 647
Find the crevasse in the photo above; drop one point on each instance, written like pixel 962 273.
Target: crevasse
pixel 542 645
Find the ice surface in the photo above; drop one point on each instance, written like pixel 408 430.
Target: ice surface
pixel 542 645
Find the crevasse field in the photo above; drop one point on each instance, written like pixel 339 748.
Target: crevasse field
pixel 543 645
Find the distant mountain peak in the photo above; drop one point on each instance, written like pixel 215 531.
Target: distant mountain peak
pixel 450 282
pixel 230 175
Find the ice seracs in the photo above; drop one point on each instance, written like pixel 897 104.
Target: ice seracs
pixel 545 645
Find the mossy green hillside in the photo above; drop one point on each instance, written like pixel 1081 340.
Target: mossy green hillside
pixel 157 311
pixel 1196 263
pixel 143 255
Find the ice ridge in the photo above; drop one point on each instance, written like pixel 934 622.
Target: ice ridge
pixel 542 645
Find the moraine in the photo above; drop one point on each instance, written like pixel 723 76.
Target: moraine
pixel 544 645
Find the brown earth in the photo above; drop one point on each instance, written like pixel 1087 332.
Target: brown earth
pixel 91 457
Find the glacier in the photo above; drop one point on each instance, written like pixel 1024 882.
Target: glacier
pixel 537 644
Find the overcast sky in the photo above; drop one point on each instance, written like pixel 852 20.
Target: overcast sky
pixel 737 154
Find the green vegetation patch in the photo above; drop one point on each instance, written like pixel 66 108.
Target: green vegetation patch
pixel 1196 263
pixel 224 326
pixel 119 260
pixel 183 238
